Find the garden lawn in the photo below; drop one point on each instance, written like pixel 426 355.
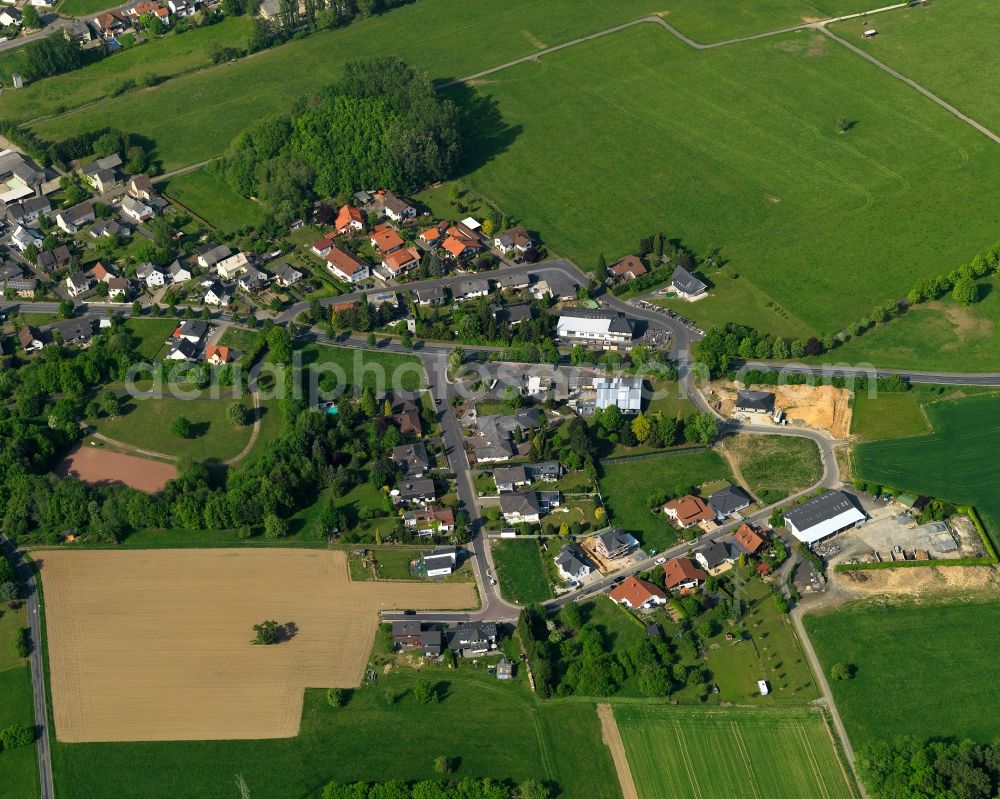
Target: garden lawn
pixel 957 462
pixel 149 335
pixel 520 571
pixel 715 753
pixel 239 339
pixel 669 399
pixel 18 767
pixel 509 736
pixel 740 144
pixel 168 57
pixel 197 116
pixel 207 195
pixel 775 466
pixel 887 416
pixel 942 46
pixel 378 370
pixel 924 670
pixel 145 423
pixel 626 488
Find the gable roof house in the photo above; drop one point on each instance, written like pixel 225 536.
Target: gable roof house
pixel 10 17
pixel 754 402
pixel 571 564
pixel 233 266
pixel 151 274
pixel 602 328
pixel 78 284
pixel 474 638
pixel 252 280
pixel 322 247
pixel 23 237
pixel 513 281
pixel 498 434
pixel 119 289
pixel 349 220
pixel 549 471
pixel 428 521
pixel 686 285
pixel 50 260
pixel 433 235
pixel 628 268
pixel 193 330
pixel 419 490
pixel 183 8
pixel 515 238
pixel 435 295
pixel 136 209
pixel 748 540
pixel 716 556
pixel 520 507
pixel 615 543
pixel 440 562
pixel 30 339
pixel 178 273
pixel 217 294
pixel 109 227
pixel 471 288
pixel 74 218
pixel 399 262
pixel 285 275
pixel 638 594
pixel 20 177
pixel 683 575
pixel 823 516
pixel 102 173
pixel 345 266
pixel 396 208
pixel 208 255
pixel 140 187
pixel 513 314
pixel 729 500
pixel 28 209
pixel 406 633
pixel 217 355
pixel 510 478
pixel 23 287
pixel 688 511
pixel 75 331
pixel 182 350
pixel 412 458
pixel 458 244
pixel 386 239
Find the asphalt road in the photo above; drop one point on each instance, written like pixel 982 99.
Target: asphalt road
pixel 37 669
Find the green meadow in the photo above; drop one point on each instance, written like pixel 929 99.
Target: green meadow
pixel 208 195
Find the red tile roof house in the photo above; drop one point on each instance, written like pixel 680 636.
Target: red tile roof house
pixel 386 240
pixel 346 266
pixel 349 220
pixel 399 262
pixel 688 511
pixel 433 235
pixel 748 540
pixel 683 575
pixel 638 594
pixel 322 247
pixel 628 268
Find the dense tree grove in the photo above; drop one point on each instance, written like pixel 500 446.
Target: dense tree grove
pixel 468 788
pixel 908 768
pixel 51 56
pixel 381 126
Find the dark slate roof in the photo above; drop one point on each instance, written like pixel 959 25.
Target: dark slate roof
pixel 728 500
pixel 715 554
pixel 524 504
pixel 613 539
pixel 569 560
pixel 819 509
pixel 760 401
pixel 687 282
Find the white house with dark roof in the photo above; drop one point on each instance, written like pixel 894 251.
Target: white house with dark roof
pixel 599 328
pixel 440 562
pixel 520 507
pixel 728 500
pixel 686 285
pixel 396 208
pixel 571 563
pixel 823 516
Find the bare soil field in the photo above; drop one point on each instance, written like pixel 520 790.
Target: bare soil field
pixel 818 407
pixel 101 466
pixel 613 740
pixel 916 583
pixel 154 645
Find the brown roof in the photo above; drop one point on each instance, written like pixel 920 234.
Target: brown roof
pixel 681 570
pixel 26 335
pixel 337 307
pixel 401 259
pixel 222 352
pixel 386 239
pixel 629 265
pixel 748 540
pixel 344 261
pixel 637 592
pixel 100 272
pixel 690 509
pixel 409 422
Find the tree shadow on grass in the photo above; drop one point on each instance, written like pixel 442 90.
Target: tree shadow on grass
pixel 485 134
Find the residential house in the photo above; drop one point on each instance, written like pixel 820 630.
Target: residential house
pixel 683 575
pixel 75 331
pixel 571 564
pixel 548 471
pixel 151 274
pixel 754 402
pixel 820 517
pixel 748 540
pixel 435 295
pixel 516 239
pixel 233 266
pixel 284 274
pixel 349 220
pixel 136 209
pixel 628 268
pixel 30 339
pixel 218 295
pixel 557 285
pixel 433 236
pixel 412 459
pixel 183 8
pixel 497 434
pixel 182 350
pixel 101 273
pixel 208 255
pixel 109 227
pixel 396 208
pixel 10 17
pixel 217 355
pixel 638 594
pixel 471 288
pixel 431 642
pixel 28 209
pixel 595 327
pixel 252 280
pixel 346 266
pixel 688 511
pixel 322 247
pixel 513 314
pixel 178 273
pixel 548 501
pixel 615 543
pixel 520 507
pixel 386 239
pixel 513 281
pixel 23 237
pixel 716 556
pixel 510 478
pixel 72 219
pixel 419 490
pixel 729 500
pixel 625 392
pixel 406 634
pixel 474 638
pixel 460 242
pixel 77 284
pixel 140 187
pixel 51 260
pixel 119 289
pixel 23 287
pixel 20 177
pixel 428 521
pixel 387 297
pixel 102 173
pixel 399 262
pixel 440 562
pixel 10 270
pixel 192 330
pixel 78 32
pixel 686 285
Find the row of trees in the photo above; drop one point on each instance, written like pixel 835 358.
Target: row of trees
pixel 468 788
pixel 961 282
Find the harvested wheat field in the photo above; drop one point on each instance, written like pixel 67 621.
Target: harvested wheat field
pixel 102 466
pixel 154 645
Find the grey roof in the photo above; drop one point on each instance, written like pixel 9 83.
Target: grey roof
pixel 514 313
pixel 819 509
pixel 75 329
pixel 447 555
pixel 176 268
pixel 473 631
pixel 213 253
pixel 510 475
pixel 184 347
pixel 78 212
pixel 716 553
pixel 544 470
pixel 395 203
pixel 430 294
pixel 406 627
pixel 570 561
pixel 413 457
pixel 728 500
pixel 560 286
pixel 523 504
pixel 28 207
pixel 687 282
pixel 498 430
pixel 145 269
pixel 615 539
pixel 511 280
pixel 78 281
pixel 471 286
pixel 194 327
pixel 617 322
pixel 625 392
pixel 10 270
pixel 414 489
pixel 285 272
pixel 760 401
pixel 109 162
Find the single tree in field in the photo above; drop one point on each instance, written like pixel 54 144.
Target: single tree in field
pixel 336 697
pixel 424 692
pixel 843 125
pixel 181 427
pixel 267 633
pixel 30 19
pixel 841 671
pixel 238 414
pixel 442 764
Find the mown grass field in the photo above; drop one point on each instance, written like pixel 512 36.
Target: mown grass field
pixel 626 488
pixel 775 466
pixel 887 416
pixel 379 370
pixel 705 753
pixel 196 117
pixel 18 767
pixel 740 143
pixel 146 423
pixel 725 19
pixel 149 334
pixel 209 196
pixel 520 571
pixel 924 670
pixel 957 462
pixel 944 47
pixel 510 736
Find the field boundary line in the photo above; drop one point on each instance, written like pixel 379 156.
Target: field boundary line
pixel 612 738
pixel 838 752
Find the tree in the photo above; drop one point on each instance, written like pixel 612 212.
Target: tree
pixel 152 23
pixel 455 360
pixel 842 671
pixel 701 428
pixel 424 693
pixel 30 19
pixel 66 309
pixel 267 633
pixel 181 427
pixel 532 789
pixel 274 526
pixel 965 291
pixel 512 398
pixel 442 764
pixel 336 697
pixel 238 414
pixel 371 339
pixel 641 427
pixel 8 591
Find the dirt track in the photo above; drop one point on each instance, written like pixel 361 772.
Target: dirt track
pixel 99 466
pixel 155 644
pixel 613 739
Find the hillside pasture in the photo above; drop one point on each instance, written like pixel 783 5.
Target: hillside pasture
pixel 713 753
pixel 207 195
